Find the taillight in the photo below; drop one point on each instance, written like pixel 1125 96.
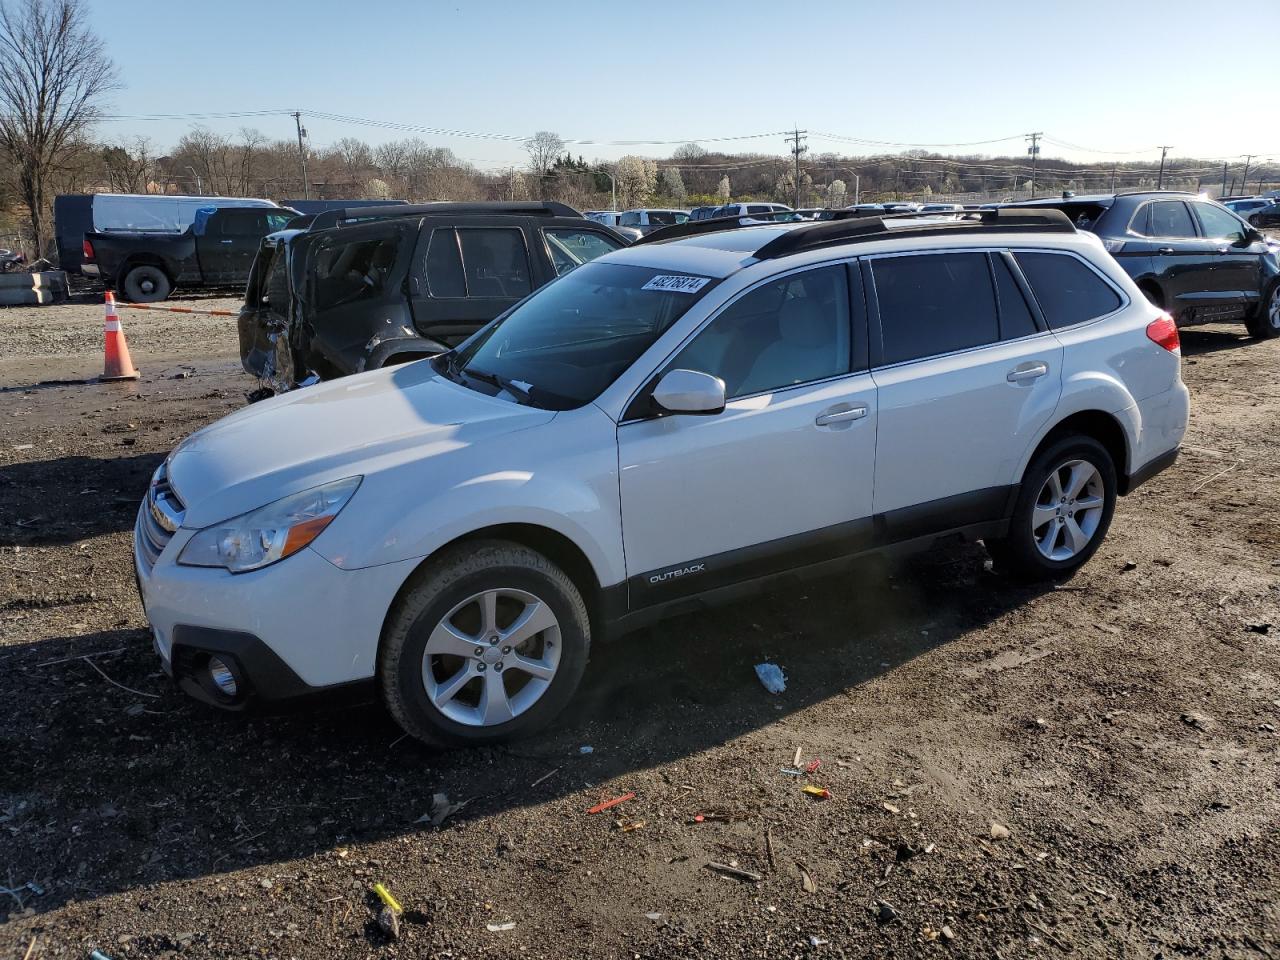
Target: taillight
pixel 1164 331
pixel 87 249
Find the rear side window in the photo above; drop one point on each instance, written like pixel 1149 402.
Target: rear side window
pixel 1067 290
pixel 1169 218
pixel 629 220
pixel 1015 316
pixel 358 270
pixel 495 262
pixel 934 304
pixel 1141 222
pixel 444 266
pixel 241 223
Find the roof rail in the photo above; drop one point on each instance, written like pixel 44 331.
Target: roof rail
pixel 832 232
pixel 532 208
pixel 851 226
pixel 1176 193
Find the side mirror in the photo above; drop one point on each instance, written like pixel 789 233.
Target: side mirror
pixel 1252 235
pixel 688 391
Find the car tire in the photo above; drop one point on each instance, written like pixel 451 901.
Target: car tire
pixel 1264 324
pixel 145 284
pixel 1052 536
pixel 446 674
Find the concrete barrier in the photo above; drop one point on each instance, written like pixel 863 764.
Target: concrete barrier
pixel 47 286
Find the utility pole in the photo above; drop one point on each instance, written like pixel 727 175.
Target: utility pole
pixel 1160 181
pixel 1034 151
pixel 1113 178
pixel 302 155
pixel 796 149
pixel 1244 180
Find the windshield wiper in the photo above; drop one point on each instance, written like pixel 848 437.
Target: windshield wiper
pixel 513 387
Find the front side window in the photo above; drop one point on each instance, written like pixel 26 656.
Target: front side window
pixel 792 331
pixel 1218 224
pixel 1068 291
pixel 934 304
pixel 346 272
pixel 1169 218
pixel 565 344
pixel 241 223
pixel 571 248
pixel 278 221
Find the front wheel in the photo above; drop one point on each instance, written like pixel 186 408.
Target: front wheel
pixel 1063 510
pixel 488 643
pixel 1264 324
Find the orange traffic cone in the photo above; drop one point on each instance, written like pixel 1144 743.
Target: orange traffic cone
pixel 118 365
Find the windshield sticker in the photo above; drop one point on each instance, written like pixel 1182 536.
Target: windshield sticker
pixel 677 284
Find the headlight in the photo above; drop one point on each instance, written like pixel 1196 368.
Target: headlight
pixel 269 533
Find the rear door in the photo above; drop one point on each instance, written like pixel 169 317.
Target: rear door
pixel 466 271
pixel 1181 258
pixel 1237 269
pixel 967 377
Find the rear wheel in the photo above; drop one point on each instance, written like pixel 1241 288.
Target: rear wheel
pixel 1062 512
pixel 145 284
pixel 1265 322
pixel 488 644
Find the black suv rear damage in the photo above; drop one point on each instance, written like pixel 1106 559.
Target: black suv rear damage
pixel 368 287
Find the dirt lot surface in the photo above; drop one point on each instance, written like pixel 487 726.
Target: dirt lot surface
pixel 1086 770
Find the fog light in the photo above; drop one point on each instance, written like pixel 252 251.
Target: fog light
pixel 222 677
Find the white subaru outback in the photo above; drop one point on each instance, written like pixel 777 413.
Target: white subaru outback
pixel 660 429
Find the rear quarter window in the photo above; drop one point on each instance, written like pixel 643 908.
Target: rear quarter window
pixel 1068 291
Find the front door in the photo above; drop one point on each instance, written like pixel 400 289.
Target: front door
pixel 230 244
pixel 964 386
pixel 1237 261
pixel 1182 259
pixel 782 477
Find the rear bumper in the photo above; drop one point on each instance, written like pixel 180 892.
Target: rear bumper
pixel 1150 469
pixel 1162 422
pixel 89 269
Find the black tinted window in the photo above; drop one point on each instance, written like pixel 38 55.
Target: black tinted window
pixel 242 223
pixel 358 270
pixel 1169 218
pixel 1068 291
pixel 1219 224
pixel 1015 316
pixel 1141 222
pixel 444 266
pixel 495 262
pixel 934 304
pixel 793 331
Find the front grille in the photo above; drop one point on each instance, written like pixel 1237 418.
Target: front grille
pixel 158 519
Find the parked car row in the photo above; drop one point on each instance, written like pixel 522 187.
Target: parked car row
pixel 654 432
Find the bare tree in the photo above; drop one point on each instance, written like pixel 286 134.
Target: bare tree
pixel 128 166
pixel 355 157
pixel 543 147
pixel 53 74
pixel 688 151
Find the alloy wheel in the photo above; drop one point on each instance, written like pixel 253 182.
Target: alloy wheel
pixel 492 657
pixel 1068 510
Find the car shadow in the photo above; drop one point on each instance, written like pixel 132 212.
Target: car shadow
pixel 60 501
pixel 1202 340
pixel 115 781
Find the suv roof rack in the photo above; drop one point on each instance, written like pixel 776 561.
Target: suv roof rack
pixel 854 226
pixel 522 208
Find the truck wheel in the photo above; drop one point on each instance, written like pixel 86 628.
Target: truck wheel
pixel 487 644
pixel 146 284
pixel 1265 321
pixel 1062 513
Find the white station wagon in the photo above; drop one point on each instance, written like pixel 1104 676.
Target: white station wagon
pixel 665 427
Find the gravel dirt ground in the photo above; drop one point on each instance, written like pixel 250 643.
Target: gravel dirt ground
pixel 1089 769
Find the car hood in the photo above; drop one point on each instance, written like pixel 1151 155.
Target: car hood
pixel 352 426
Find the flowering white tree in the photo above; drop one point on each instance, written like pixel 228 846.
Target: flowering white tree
pixel 637 178
pixel 671 185
pixel 837 195
pixel 723 191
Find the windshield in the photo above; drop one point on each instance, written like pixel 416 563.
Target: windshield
pixel 667 217
pixel 561 347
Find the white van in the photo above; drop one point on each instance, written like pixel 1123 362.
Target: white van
pixel 157 213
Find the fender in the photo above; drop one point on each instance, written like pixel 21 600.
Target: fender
pixel 1089 391
pixel 383 352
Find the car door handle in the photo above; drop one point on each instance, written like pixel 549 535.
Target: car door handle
pixel 226 241
pixel 1026 372
pixel 836 415
pixel 1164 250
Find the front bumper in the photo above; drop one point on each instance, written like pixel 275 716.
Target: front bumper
pixel 296 627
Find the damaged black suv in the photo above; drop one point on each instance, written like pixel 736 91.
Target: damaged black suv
pixel 367 287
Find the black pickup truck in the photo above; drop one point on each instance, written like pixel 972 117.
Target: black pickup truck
pixel 217 250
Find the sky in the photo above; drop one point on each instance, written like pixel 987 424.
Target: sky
pixel 1103 81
